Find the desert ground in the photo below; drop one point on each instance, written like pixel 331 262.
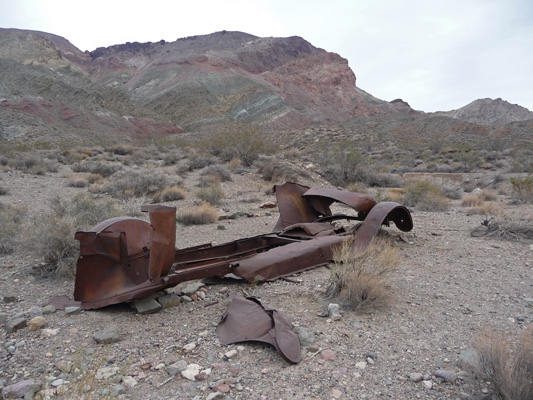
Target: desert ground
pixel 449 288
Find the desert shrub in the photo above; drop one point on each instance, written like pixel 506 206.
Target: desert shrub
pixel 171 193
pixel 211 194
pixel 130 183
pixel 218 171
pixel 341 165
pixel 235 166
pixel 94 178
pixel 374 178
pixel 478 197
pixel 70 157
pixel 523 188
pixel 198 161
pixel 396 194
pixel 121 149
pixel 277 171
pixel 509 370
pixel 33 164
pixel 360 277
pixel 357 187
pixel 10 227
pixel 200 215
pixel 239 140
pixel 104 169
pixel 426 196
pixel 52 235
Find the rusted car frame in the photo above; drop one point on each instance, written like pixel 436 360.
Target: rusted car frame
pixel 123 259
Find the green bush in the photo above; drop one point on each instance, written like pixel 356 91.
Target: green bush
pixel 426 196
pixel 242 141
pixel 523 188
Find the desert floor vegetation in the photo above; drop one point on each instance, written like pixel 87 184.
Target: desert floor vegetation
pixel 359 278
pixel 199 215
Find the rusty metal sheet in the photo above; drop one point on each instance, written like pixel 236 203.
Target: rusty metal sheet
pixel 288 259
pixel 293 209
pixel 249 319
pixel 321 198
pixel 382 214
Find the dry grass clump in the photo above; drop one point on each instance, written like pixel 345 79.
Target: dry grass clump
pixel 10 227
pixel 510 371
pixel 211 194
pixel 171 193
pixel 426 196
pixel 78 181
pixel 200 215
pixel 478 197
pixel 51 236
pixel 360 277
pixel 130 183
pixel 503 228
pixel 217 172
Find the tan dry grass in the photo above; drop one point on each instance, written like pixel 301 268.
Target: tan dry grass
pixel 200 215
pixel 360 278
pixel 171 193
pixel 509 370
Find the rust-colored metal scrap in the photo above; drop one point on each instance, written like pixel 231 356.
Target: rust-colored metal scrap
pixel 123 259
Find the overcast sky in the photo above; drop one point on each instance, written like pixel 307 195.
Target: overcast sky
pixel 434 54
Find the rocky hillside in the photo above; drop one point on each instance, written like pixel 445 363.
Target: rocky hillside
pixel 490 112
pixel 139 89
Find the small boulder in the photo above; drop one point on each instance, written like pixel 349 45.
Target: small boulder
pixel 108 335
pixel 15 324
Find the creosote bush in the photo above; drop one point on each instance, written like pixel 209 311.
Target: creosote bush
pixel 52 235
pixel 509 370
pixel 426 196
pixel 523 188
pixel 102 168
pixel 239 140
pixel 200 215
pixel 360 277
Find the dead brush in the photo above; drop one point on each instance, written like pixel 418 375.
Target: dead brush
pixel 200 215
pixel 212 194
pixel 10 221
pixel 51 236
pixel 510 370
pixel 359 278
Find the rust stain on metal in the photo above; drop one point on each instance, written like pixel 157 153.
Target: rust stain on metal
pixel 122 259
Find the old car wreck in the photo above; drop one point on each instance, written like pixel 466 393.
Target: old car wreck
pixel 123 259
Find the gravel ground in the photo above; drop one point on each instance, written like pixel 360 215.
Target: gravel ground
pixel 449 287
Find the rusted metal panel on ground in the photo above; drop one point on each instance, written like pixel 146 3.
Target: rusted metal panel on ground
pixel 123 259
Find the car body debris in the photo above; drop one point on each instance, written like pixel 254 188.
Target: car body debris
pixel 123 259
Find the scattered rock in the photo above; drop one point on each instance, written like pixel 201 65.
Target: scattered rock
pixel 129 381
pixel 35 311
pixel 360 365
pixel 230 354
pixel 336 393
pixel 72 310
pixel 428 384
pixel 189 347
pixel 468 358
pixel 117 390
pixel 3 318
pixel 49 309
pixel 328 355
pixel 106 372
pixel 416 377
pixel 305 335
pixel 169 300
pixel 10 299
pixel 64 366
pixel 191 371
pixel 15 324
pixel 176 368
pixel 223 387
pixel 23 389
pixel 37 323
pixel 334 312
pixel 447 376
pixel 49 332
pixel 192 288
pixel 108 335
pixel 147 306
pixel 215 396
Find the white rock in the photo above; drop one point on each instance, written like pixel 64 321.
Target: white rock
pixel 49 332
pixel 360 365
pixel 231 353
pixel 191 371
pixel 129 381
pixel 106 372
pixel 189 347
pixel 428 384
